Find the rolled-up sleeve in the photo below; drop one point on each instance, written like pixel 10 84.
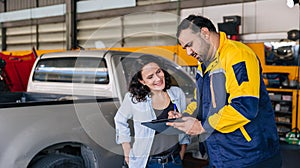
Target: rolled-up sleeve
pixel 121 118
pixel 183 138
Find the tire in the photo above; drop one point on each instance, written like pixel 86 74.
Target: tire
pixel 59 161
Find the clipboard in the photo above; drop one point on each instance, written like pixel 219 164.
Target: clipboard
pixel 161 127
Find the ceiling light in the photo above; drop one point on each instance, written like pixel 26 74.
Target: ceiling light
pixel 291 3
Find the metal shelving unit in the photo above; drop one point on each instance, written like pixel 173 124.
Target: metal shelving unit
pixel 284 103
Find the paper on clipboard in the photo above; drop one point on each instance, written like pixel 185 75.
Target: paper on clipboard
pixel 161 127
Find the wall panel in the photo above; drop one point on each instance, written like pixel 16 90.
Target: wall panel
pixel 52 36
pixel 53 27
pixel 150 28
pixel 50 2
pixel 52 45
pixel 21 38
pixel 137 29
pixel 13 5
pixel 260 22
pixel 94 31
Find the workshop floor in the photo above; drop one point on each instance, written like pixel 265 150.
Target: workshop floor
pixel 190 162
pixel 290 158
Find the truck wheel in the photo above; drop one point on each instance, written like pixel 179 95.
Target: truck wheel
pixel 59 161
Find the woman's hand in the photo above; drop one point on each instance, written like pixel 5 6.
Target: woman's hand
pixel 174 114
pixel 127 160
pixel 126 148
pixel 182 151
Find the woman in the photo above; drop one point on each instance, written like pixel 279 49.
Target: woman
pixel 150 97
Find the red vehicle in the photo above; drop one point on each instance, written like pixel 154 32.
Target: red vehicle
pixel 16 71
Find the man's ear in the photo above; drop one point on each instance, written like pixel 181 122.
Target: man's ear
pixel 204 29
pixel 205 32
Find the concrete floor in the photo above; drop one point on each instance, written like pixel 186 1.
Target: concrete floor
pixel 190 162
pixel 290 155
pixel 290 158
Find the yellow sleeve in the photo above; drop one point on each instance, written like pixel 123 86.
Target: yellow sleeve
pixel 242 85
pixel 227 120
pixel 191 107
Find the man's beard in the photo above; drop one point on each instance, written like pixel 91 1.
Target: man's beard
pixel 206 60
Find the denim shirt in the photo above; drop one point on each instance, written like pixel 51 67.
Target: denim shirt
pixel 143 138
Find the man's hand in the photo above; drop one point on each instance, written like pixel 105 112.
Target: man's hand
pixel 189 125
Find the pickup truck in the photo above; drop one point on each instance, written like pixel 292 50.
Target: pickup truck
pixel 65 118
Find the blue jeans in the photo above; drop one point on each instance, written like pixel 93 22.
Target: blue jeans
pixel 175 162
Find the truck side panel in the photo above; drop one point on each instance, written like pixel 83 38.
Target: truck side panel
pixel 31 128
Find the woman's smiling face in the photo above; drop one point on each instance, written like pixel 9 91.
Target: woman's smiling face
pixel 153 76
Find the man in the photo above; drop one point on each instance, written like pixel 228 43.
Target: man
pixel 234 109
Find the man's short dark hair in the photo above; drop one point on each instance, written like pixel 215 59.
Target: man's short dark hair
pixel 195 23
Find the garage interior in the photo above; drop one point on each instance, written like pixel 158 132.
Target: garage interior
pixel 30 28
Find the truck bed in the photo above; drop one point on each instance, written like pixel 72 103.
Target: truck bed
pixel 17 99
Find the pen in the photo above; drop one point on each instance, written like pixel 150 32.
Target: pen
pixel 174 108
